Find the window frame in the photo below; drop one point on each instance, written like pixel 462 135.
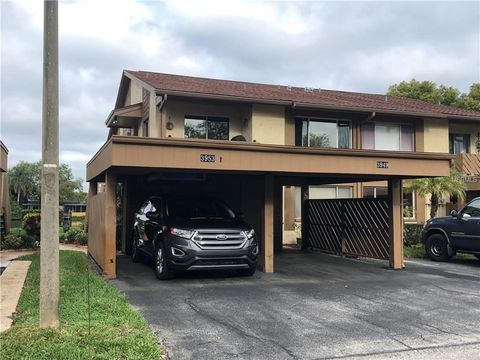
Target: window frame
pixel 336 187
pixel 386 123
pixel 468 207
pixel 451 143
pixel 207 118
pixel 324 120
pixel 414 206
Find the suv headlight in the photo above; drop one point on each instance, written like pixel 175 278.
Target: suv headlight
pixel 249 234
pixel 186 234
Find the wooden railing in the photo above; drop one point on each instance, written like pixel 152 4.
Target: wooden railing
pixel 469 164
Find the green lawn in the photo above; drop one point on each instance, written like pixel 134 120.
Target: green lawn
pixel 418 251
pixel 117 331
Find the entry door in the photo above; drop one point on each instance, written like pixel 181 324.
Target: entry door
pixel 468 235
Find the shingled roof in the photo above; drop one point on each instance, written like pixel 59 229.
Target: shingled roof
pixel 168 83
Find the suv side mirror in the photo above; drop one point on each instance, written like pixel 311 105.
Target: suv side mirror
pixel 456 214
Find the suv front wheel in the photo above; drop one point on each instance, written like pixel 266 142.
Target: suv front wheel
pixel 160 265
pixel 436 247
pixel 246 272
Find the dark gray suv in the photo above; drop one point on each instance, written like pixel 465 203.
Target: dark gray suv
pixel 459 232
pixel 193 233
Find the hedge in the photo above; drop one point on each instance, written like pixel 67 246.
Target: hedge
pixel 412 234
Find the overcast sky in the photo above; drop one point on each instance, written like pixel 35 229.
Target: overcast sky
pixel 359 46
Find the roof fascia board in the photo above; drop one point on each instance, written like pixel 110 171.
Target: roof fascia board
pixel 222 97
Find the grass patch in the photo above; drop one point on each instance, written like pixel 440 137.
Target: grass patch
pixel 117 331
pixel 418 251
pixel 414 251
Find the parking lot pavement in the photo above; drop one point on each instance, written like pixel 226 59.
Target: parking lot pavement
pixel 314 306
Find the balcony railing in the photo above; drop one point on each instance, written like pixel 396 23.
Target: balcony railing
pixel 469 164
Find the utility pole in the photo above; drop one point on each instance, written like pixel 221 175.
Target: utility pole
pixel 49 256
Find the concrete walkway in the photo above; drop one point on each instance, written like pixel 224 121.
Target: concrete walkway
pixel 11 284
pixel 8 255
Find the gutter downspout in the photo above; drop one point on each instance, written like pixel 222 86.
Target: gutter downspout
pixel 369 117
pixel 160 102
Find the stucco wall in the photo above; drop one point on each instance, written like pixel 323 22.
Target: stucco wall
pixel 435 135
pixel 177 109
pixel 268 124
pixel 134 94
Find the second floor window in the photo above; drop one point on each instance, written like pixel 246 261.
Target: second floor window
pixel 206 127
pixel 323 133
pixel 386 136
pixel 459 143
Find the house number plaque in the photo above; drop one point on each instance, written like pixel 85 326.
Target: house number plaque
pixel 207 158
pixel 382 164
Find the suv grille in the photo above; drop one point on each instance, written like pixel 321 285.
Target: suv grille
pixel 220 239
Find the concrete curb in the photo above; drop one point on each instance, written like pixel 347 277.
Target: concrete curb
pixel 11 285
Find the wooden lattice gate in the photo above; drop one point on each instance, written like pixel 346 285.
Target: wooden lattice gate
pixel 348 226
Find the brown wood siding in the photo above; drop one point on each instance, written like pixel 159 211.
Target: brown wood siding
pixel 139 152
pixel 96 227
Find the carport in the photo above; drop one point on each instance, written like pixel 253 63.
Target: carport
pixel 249 176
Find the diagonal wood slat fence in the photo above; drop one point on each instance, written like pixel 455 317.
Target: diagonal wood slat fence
pixel 348 226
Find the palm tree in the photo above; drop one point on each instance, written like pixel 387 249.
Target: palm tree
pixel 23 179
pixel 439 187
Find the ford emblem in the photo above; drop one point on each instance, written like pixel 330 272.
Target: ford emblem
pixel 222 237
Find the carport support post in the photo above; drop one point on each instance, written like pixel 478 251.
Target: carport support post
pixel 305 194
pixel 267 239
pixel 396 223
pixel 109 266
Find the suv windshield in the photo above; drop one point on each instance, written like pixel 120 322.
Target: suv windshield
pixel 198 209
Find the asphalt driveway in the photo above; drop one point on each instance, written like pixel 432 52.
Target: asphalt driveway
pixel 315 306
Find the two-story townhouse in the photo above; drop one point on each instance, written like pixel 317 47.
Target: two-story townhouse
pixel 254 145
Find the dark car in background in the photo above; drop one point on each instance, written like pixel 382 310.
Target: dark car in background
pixel 193 233
pixel 460 232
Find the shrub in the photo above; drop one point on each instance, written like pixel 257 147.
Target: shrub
pixel 412 234
pixel 61 235
pixel 31 224
pixel 78 221
pixel 71 235
pixel 11 241
pixel 82 238
pixel 16 239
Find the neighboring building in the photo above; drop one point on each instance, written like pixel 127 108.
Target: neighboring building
pixel 5 216
pixel 179 133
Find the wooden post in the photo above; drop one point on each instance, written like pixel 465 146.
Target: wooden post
pixel 267 239
pixel 92 191
pixel 109 266
pixel 396 223
pixel 304 197
pixel 125 205
pixel 278 217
